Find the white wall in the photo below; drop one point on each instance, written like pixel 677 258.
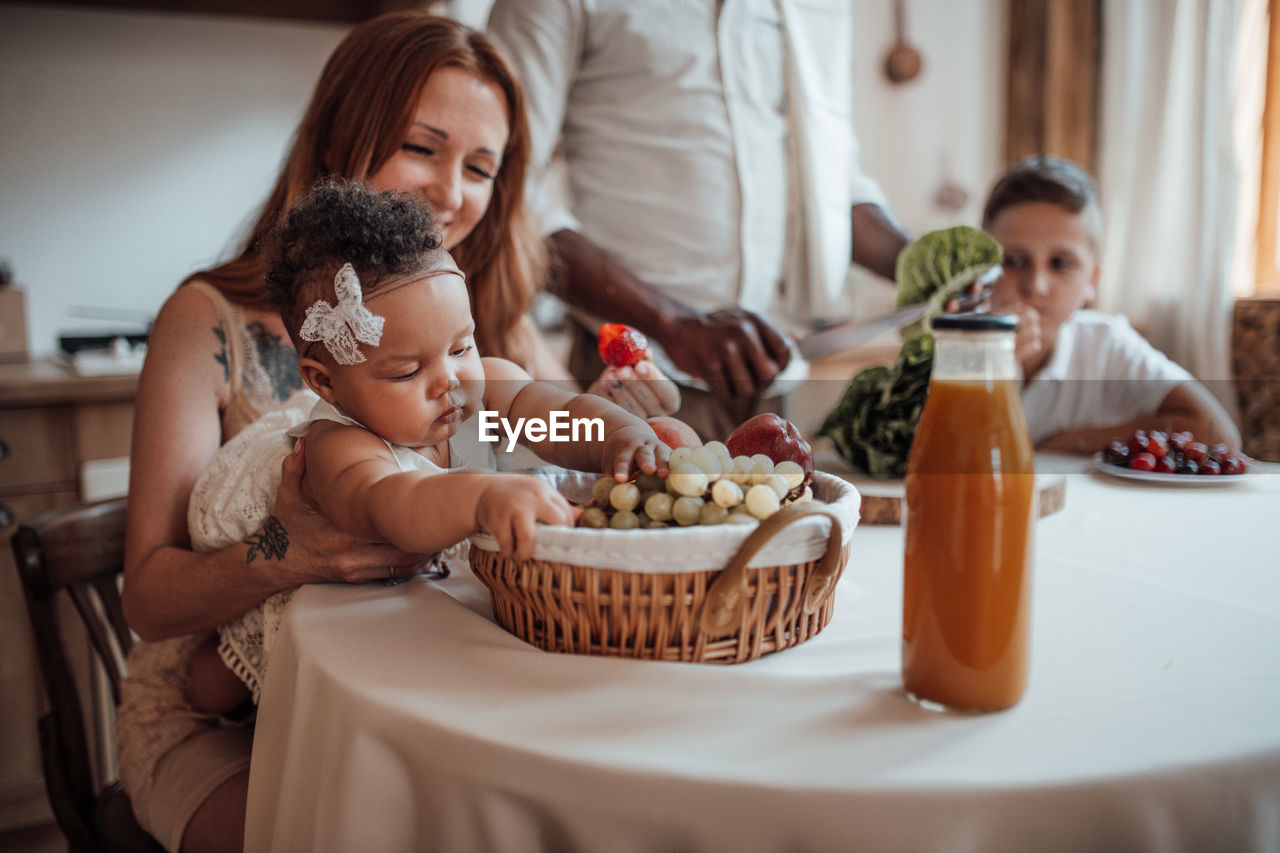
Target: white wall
pixel 136 145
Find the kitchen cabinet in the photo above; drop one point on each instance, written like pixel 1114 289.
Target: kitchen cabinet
pixel 51 424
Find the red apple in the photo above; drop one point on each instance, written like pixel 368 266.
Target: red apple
pixel 775 437
pixel 674 433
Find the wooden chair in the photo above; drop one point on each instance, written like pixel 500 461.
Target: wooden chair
pixel 80 550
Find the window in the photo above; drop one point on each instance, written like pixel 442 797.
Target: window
pixel 1267 274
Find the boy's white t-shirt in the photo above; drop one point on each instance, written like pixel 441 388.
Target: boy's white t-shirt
pixel 1101 372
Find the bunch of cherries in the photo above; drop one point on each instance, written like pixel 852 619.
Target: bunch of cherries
pixel 1173 453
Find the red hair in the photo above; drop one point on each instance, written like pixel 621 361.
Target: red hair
pixel 358 117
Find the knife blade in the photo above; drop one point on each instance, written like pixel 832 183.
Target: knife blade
pixel 847 335
pixel 843 336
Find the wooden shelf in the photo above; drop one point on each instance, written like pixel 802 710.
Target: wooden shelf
pixel 312 10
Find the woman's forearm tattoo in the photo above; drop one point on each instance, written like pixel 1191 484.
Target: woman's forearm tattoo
pixel 270 543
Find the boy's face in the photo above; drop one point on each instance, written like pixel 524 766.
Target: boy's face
pixel 1050 270
pixel 424 378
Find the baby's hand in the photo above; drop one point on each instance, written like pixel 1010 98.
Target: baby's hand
pixel 643 390
pixel 511 506
pixel 633 448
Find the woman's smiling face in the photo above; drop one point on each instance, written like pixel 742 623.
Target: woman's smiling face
pixel 452 151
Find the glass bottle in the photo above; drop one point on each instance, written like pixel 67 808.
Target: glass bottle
pixel 970 519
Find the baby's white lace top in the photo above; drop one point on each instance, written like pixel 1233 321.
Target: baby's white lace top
pixel 235 494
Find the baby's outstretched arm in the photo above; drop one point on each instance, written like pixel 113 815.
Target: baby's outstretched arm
pixel 627 444
pixel 355 481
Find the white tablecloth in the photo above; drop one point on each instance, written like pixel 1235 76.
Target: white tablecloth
pixel 404 719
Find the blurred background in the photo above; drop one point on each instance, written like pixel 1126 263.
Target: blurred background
pixel 139 136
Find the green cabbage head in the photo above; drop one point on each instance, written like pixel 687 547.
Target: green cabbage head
pixel 939 265
pixel 873 424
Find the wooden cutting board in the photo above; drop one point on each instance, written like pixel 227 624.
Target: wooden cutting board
pixel 882 499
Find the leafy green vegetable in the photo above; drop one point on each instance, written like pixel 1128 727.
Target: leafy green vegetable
pixel 875 420
pixel 940 265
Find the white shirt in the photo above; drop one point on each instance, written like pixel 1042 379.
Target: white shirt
pixel 1101 372
pixel 709 145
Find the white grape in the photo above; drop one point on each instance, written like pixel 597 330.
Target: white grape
pixel 652 483
pixel 741 516
pixel 679 454
pixel 593 516
pixel 658 506
pixel 742 466
pixel 708 462
pixel 726 493
pixel 722 453
pixel 806 495
pixel 761 468
pixel 686 510
pixel 601 489
pixel 625 497
pixel 791 470
pixel 778 483
pixel 624 520
pixel 687 479
pixel 654 524
pixel 761 501
pixel 712 513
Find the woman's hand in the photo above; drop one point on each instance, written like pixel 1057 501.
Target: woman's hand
pixel 643 390
pixel 510 507
pixel 315 551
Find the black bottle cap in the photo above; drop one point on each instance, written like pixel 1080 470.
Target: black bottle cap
pixel 976 322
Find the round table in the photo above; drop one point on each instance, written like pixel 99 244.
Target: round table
pixel 404 718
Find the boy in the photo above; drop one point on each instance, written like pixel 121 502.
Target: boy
pixel 1088 377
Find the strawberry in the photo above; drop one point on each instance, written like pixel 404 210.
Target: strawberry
pixel 621 345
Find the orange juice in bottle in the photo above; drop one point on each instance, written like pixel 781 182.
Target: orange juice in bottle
pixel 970 518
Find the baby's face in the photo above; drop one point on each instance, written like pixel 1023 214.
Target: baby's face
pixel 1050 266
pixel 424 378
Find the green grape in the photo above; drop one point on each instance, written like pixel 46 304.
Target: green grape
pixel 761 501
pixel 712 513
pixel 654 483
pixel 726 493
pixel 687 479
pixel 593 516
pixel 742 466
pixel 624 519
pixel 658 506
pixel 686 510
pixel 600 491
pixel 624 496
pixel 778 483
pixel 791 470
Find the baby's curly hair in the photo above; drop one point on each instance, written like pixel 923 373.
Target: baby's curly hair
pixel 385 236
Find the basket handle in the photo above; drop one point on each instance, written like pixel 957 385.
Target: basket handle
pixel 727 597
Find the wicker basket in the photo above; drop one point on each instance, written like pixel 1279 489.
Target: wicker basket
pixel 722 594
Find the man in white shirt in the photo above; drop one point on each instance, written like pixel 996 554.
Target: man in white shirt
pixel 712 163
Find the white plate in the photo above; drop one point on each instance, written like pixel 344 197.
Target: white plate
pixel 1191 480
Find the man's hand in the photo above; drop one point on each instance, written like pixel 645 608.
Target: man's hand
pixel 737 353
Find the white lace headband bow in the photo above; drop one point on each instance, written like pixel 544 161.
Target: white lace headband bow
pixel 339 328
